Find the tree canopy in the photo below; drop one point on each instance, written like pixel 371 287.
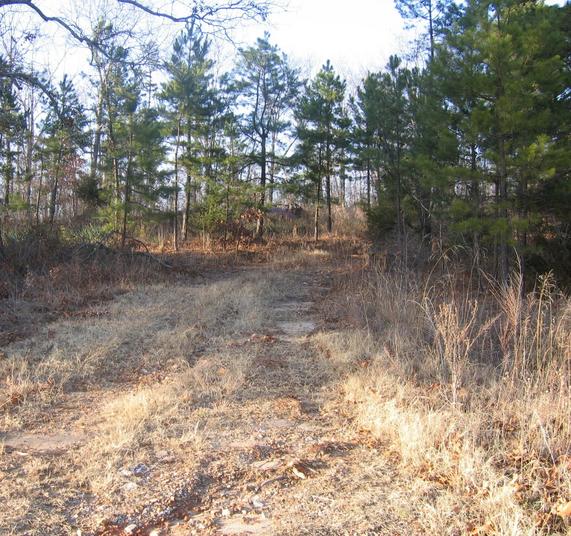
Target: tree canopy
pixel 466 144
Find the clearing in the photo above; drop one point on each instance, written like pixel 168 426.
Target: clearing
pixel 298 395
pixel 207 407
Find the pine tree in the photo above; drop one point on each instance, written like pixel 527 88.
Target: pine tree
pixel 64 136
pixel 266 87
pixel 504 78
pixel 429 11
pixel 322 129
pixel 365 111
pixel 12 126
pixel 430 151
pixel 393 131
pixel 193 105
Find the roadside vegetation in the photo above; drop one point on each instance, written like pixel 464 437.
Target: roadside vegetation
pixel 466 385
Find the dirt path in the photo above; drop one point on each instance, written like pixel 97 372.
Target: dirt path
pixel 244 436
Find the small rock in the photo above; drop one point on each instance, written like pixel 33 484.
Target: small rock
pixel 302 470
pixel 130 529
pixel 257 503
pixel 564 509
pixel 125 472
pixel 130 486
pixel 140 470
pixel 226 512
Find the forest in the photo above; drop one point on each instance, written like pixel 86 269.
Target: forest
pixel 464 143
pixel 241 293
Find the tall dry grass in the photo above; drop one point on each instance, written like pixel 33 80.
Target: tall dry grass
pixel 469 390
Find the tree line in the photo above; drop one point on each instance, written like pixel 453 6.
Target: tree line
pixel 465 143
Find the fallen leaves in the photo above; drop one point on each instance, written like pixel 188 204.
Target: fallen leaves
pixel 287 406
pixel 480 530
pixel 267 339
pixel 303 469
pixel 270 362
pixel 267 465
pixel 17 392
pixel 255 338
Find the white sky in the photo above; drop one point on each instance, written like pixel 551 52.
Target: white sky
pixel 356 35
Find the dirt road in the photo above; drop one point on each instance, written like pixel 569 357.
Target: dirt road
pixel 199 408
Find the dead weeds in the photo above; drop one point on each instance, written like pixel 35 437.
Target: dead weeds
pixel 483 432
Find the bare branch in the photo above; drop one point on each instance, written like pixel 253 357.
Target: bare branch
pixel 47 18
pixel 214 13
pixel 218 15
pixel 29 79
pixel 149 11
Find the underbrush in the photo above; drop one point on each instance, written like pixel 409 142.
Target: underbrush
pixel 469 391
pixel 62 257
pixel 46 274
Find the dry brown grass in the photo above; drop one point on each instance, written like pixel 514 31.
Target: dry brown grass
pixel 168 325
pixel 454 404
pixel 140 424
pixel 155 366
pixel 470 392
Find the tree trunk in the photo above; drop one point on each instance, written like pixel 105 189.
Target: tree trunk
pixel 503 261
pixel 431 30
pixel 475 195
pixel 117 189
pixel 97 137
pixel 399 209
pixel 368 185
pixel 342 180
pixel 39 195
pixel 272 171
pixel 127 190
pixel 227 215
pixel 328 190
pixel 8 176
pixel 53 199
pixel 55 186
pixel 318 200
pixel 188 186
pixel 186 215
pixel 263 177
pixel 316 215
pixel 523 214
pixel 114 159
pixel 30 157
pixel 175 229
pixel 502 180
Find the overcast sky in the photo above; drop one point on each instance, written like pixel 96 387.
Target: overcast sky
pixel 356 35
